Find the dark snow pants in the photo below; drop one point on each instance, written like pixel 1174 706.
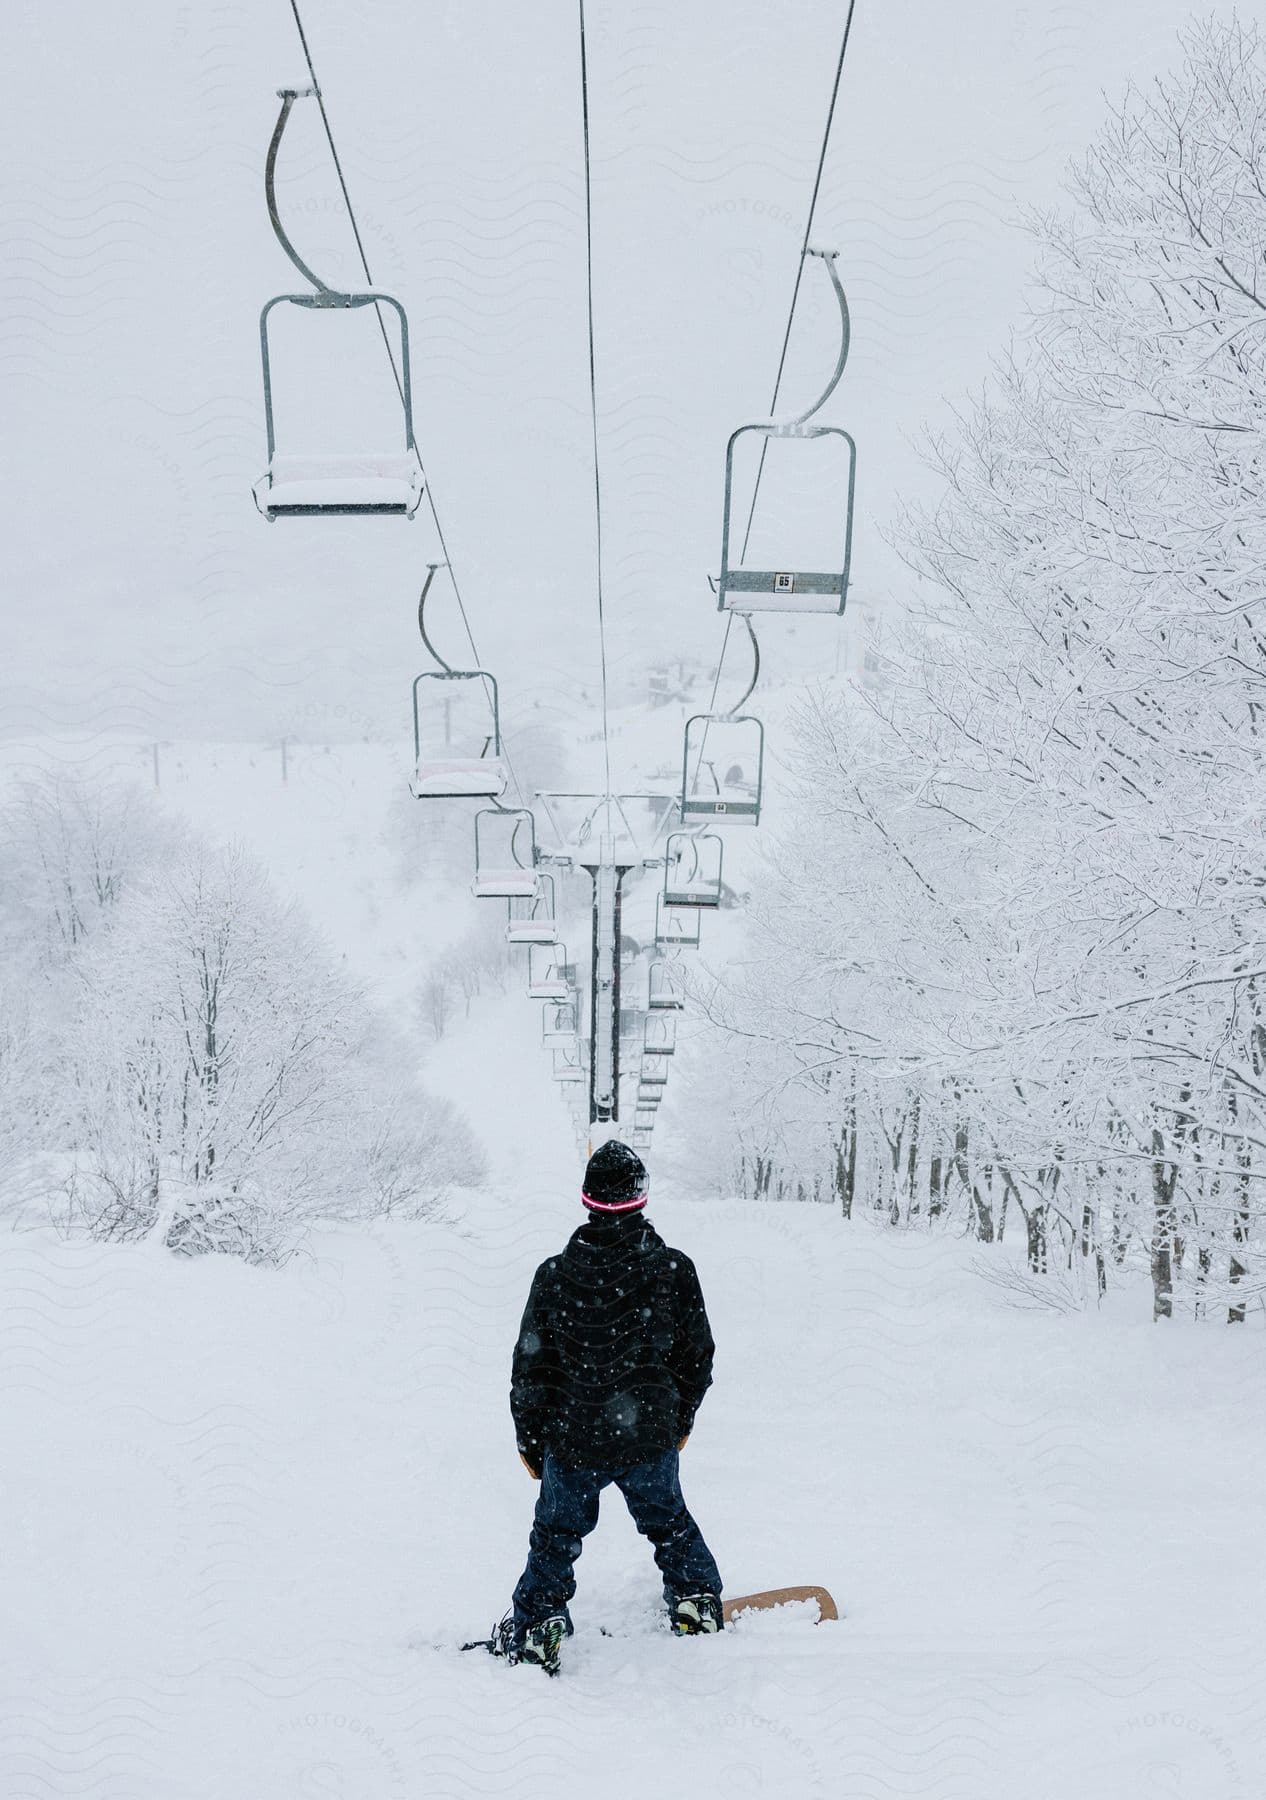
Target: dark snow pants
pixel 567 1512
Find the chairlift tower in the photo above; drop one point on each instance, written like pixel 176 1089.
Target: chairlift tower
pixel 607 876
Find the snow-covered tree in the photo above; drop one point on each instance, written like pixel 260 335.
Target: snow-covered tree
pixel 1023 901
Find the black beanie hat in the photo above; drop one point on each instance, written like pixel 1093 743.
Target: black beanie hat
pixel 616 1180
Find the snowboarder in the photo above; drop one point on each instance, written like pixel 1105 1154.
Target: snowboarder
pixel 613 1358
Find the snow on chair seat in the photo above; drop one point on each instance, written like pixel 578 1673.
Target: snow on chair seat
pixel 309 485
pixel 504 884
pixel 473 777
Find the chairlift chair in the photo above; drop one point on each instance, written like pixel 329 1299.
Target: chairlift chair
pixel 481 777
pixel 532 920
pixel 386 483
pixel 747 590
pixel 641 1138
pixel 568 1066
pixel 558 1024
pixel 738 751
pixel 652 1074
pixel 660 1038
pixel 547 977
pixel 693 863
pixel 505 854
pixel 664 993
pixel 675 926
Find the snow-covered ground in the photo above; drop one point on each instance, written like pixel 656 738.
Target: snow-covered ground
pixel 251 1513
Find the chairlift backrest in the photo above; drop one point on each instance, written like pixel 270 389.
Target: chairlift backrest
pixel 505 853
pixel 703 794
pixel 676 925
pixel 445 775
pixel 693 863
pixel 746 590
pixel 531 918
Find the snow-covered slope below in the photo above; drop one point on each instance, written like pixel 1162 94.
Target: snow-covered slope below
pixel 251 1514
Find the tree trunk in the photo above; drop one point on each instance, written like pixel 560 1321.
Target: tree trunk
pixel 1162 1231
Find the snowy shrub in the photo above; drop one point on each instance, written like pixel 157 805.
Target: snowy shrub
pixel 188 1043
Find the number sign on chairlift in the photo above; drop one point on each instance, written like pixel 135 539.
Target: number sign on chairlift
pixel 675 926
pixel 547 972
pixel 723 768
pixel 455 754
pixel 531 919
pixel 317 483
pixel 665 991
pixel 505 855
pixel 744 589
pixel 692 869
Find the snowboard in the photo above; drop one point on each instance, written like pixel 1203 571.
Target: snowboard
pixel 826 1606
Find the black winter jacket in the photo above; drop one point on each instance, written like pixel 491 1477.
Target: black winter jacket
pixel 614 1352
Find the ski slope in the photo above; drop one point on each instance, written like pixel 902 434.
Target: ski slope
pixel 251 1513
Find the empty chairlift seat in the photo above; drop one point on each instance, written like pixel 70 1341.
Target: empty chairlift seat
pixel 665 991
pixel 505 855
pixel 676 925
pixel 744 588
pixel 559 1025
pixel 549 975
pixel 456 710
pixel 692 869
pixel 723 768
pixel 311 483
pixel 317 480
pixel 569 1065
pixel 531 919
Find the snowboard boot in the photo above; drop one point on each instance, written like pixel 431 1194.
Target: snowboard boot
pixel 692 1615
pixel 541 1643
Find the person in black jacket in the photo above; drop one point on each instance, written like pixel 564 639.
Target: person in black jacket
pixel 613 1358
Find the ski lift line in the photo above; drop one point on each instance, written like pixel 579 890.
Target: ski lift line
pixel 593 394
pixel 786 340
pixel 428 485
pixel 804 252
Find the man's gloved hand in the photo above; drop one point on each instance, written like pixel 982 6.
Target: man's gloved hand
pixel 534 1473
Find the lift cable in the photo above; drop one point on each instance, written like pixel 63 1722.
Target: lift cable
pixel 593 398
pixel 428 486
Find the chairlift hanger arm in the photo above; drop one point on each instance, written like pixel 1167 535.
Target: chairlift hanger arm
pixel 751 686
pixel 829 258
pixel 288 97
pixel 422 598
